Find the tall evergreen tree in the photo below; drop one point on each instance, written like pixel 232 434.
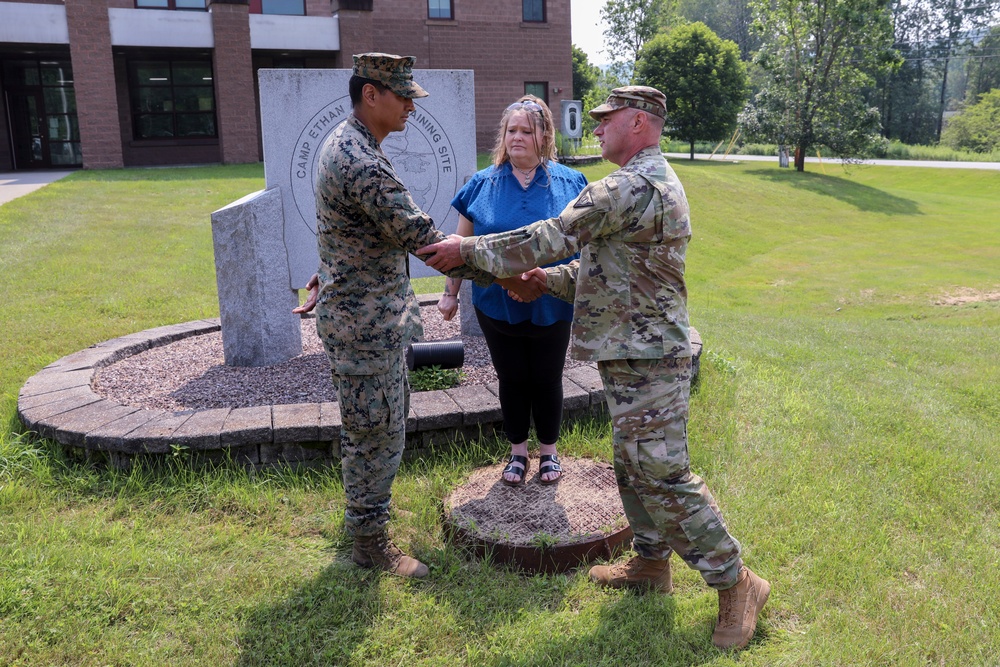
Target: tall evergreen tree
pixel 906 96
pixel 907 100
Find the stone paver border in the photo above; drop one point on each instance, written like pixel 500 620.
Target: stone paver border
pixel 58 403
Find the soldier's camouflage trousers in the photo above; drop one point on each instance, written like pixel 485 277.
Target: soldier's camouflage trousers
pixel 373 411
pixel 668 507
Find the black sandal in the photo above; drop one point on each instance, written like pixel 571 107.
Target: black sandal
pixel 549 463
pixel 512 469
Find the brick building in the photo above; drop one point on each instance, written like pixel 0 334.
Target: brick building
pixel 113 83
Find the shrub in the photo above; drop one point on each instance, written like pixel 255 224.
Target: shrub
pixel 977 128
pixel 900 151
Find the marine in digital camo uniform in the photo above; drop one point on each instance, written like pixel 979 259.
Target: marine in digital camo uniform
pixel 630 316
pixel 367 313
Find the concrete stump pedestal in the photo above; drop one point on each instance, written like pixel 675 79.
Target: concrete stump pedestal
pixel 537 527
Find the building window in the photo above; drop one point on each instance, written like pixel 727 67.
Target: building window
pixel 539 89
pixel 533 11
pixel 284 62
pixel 172 99
pixel 171 4
pixel 357 5
pixel 286 7
pixel 439 9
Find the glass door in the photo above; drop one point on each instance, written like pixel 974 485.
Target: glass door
pixel 26 128
pixel 41 105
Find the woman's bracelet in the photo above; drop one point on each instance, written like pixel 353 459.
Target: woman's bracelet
pixel 448 294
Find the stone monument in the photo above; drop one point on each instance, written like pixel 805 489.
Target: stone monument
pixel 265 243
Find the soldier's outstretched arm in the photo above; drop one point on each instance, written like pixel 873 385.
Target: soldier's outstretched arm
pixel 512 253
pixel 561 280
pixel 401 219
pixel 443 255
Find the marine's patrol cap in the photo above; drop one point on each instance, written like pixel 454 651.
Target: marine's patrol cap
pixel 643 98
pixel 394 72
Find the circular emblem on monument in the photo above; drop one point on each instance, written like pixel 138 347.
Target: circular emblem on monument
pixel 421 155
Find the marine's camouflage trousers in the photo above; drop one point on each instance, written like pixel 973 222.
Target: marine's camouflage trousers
pixel 668 507
pixel 373 411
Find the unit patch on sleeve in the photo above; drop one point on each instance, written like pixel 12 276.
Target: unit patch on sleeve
pixel 584 200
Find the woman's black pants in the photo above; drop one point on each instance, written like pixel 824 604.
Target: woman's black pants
pixel 529 361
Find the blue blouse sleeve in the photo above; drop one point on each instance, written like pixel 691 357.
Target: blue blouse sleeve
pixel 463 200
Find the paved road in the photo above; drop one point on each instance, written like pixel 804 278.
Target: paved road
pixel 18 183
pixel 944 164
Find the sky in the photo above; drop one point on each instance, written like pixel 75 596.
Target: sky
pixel 587 29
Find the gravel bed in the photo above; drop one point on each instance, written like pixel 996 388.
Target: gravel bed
pixel 191 373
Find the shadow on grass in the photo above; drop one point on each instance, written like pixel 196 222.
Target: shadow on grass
pixel 347 616
pixel 320 623
pixel 631 629
pixel 861 197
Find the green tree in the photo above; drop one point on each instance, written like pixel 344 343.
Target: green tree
pixel 632 23
pixel 729 19
pixel 907 100
pixel 984 64
pixel 607 80
pixel 942 64
pixel 819 57
pixel 906 96
pixel 584 74
pixel 977 128
pixel 703 78
pixel 955 21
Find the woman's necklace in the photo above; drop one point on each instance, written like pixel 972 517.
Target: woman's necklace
pixel 527 173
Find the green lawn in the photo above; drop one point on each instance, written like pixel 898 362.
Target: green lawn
pixel 846 419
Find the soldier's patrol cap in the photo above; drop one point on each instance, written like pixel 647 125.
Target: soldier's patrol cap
pixel 643 98
pixel 394 72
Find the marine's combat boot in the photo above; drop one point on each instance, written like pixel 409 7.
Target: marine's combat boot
pixel 739 608
pixel 379 551
pixel 638 572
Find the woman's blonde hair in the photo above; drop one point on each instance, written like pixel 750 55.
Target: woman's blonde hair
pixel 543 121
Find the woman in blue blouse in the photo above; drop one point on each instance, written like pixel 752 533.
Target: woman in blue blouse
pixel 527 341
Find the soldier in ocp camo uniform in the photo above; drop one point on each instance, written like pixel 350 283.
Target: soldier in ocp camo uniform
pixel 630 316
pixel 367 314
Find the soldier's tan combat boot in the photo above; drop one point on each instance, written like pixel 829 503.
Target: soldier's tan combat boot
pixel 378 551
pixel 739 608
pixel 638 572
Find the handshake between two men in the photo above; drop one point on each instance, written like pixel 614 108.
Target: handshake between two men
pixel 446 255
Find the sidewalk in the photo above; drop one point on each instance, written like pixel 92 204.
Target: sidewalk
pixel 19 183
pixel 941 164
